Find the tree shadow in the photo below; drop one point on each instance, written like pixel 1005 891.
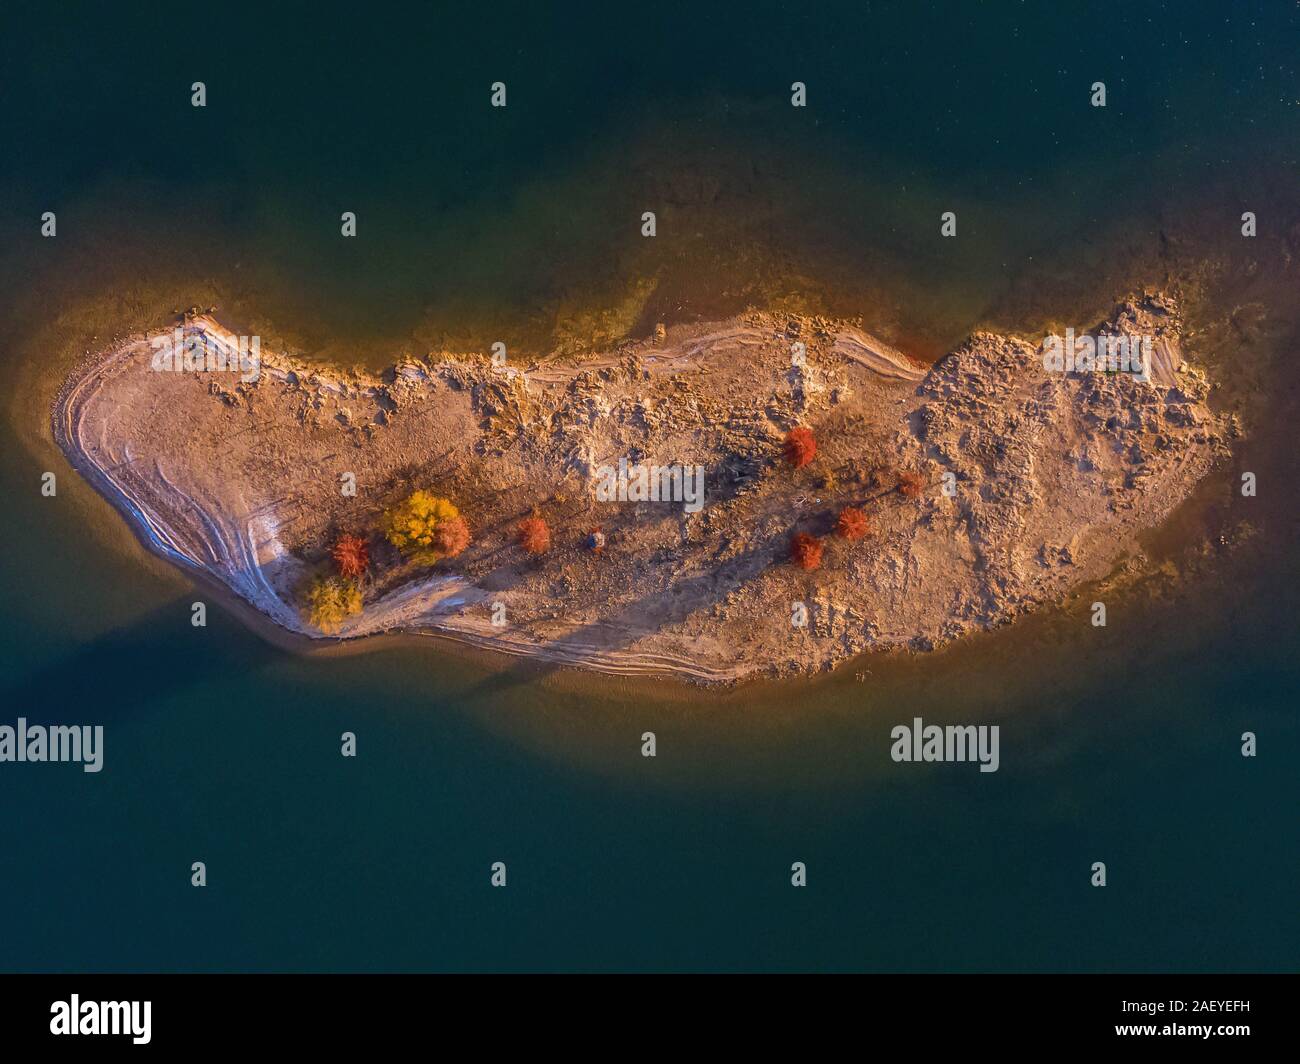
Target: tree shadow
pixel 155 656
pixel 666 606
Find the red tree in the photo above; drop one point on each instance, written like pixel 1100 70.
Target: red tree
pixel 451 536
pixel 806 551
pixel 911 484
pixel 800 446
pixel 351 555
pixel 853 524
pixel 534 535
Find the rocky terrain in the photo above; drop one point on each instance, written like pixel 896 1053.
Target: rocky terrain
pixel 991 485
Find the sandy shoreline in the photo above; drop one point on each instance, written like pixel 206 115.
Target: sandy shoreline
pixel 242 515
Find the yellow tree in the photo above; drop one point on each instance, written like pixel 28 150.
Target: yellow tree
pixel 426 527
pixel 330 600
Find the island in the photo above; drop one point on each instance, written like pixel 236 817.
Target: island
pixel 763 496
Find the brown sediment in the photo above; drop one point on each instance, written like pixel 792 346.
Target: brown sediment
pixel 1032 484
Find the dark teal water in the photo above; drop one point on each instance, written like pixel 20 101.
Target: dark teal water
pixel 1120 746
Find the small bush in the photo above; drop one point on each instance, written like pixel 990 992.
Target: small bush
pixel 806 551
pixel 331 600
pixel 910 485
pixel 853 524
pixel 800 446
pixel 534 535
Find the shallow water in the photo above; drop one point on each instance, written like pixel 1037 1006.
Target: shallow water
pixel 1120 744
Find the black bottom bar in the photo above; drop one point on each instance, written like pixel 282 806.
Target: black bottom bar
pixel 340 1012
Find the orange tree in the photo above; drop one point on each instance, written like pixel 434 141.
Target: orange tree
pixel 853 524
pixel 534 535
pixel 351 555
pixel 800 446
